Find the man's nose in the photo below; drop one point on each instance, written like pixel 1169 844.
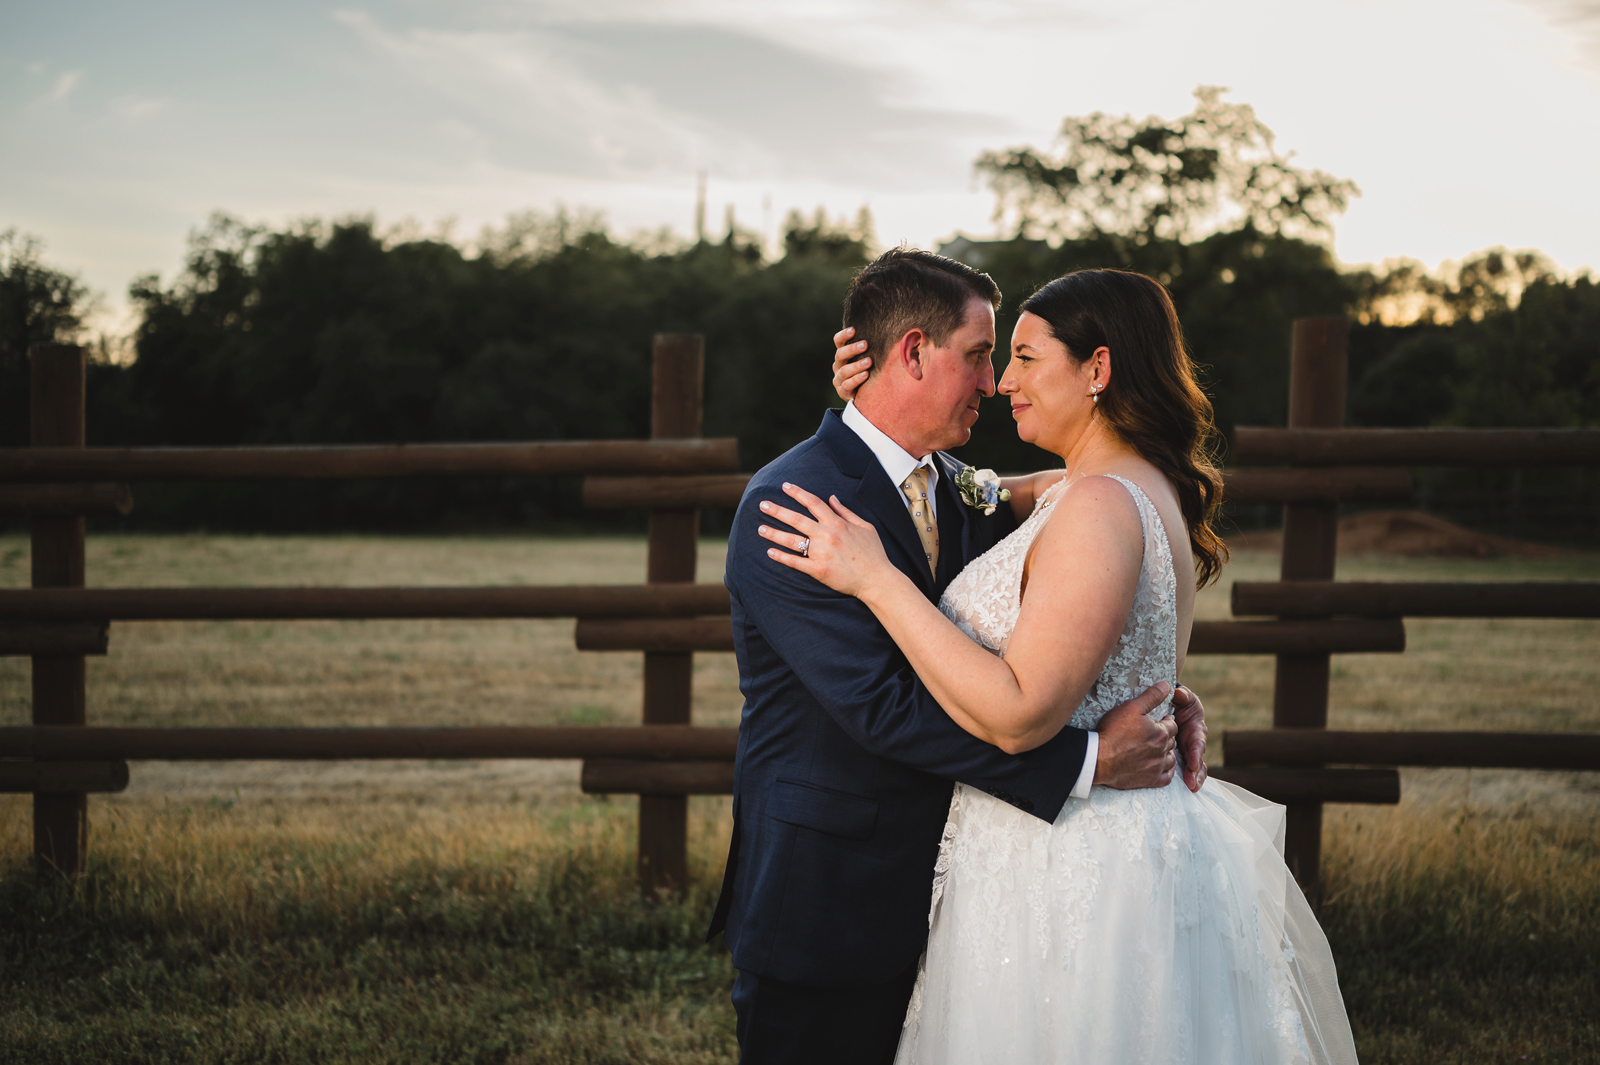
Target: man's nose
pixel 986 379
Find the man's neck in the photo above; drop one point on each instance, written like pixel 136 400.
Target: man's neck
pixel 889 419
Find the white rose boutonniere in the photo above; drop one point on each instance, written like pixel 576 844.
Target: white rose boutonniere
pixel 981 489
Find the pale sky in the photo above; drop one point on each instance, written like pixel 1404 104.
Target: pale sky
pixel 1467 123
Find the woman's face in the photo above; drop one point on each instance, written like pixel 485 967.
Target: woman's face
pixel 1051 398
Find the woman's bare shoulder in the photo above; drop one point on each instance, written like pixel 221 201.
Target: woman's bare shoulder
pixel 1096 502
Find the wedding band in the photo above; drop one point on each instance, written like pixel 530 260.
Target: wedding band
pixel 805 548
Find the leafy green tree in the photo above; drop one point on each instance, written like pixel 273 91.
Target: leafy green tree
pixel 1155 179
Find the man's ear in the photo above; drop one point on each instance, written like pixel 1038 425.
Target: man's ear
pixel 908 352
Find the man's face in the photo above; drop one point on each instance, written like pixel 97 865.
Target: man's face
pixel 955 376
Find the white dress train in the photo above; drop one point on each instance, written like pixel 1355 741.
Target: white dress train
pixel 1155 926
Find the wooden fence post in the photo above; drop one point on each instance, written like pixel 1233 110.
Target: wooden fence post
pixel 675 412
pixel 1318 360
pixel 57 420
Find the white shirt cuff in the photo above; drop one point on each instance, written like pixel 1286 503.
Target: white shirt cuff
pixel 1091 755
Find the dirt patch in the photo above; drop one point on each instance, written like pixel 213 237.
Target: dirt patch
pixel 1411 532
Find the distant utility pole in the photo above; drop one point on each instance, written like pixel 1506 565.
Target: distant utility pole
pixel 700 209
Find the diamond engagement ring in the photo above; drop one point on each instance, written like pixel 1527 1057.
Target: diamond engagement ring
pixel 805 548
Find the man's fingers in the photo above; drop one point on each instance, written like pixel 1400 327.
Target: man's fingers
pixel 1150 698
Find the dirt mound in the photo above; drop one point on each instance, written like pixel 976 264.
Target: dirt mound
pixel 1411 532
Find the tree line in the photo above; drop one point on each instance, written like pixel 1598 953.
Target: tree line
pixel 338 333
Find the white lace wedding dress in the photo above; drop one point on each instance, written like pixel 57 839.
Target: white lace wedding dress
pixel 1142 926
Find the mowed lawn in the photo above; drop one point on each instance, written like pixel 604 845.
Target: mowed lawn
pixel 483 911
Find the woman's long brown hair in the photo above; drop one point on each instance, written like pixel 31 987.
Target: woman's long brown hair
pixel 1153 401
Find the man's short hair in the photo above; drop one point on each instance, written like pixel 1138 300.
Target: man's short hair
pixel 907 288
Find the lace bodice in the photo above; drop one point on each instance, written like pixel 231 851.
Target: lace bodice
pixel 985 599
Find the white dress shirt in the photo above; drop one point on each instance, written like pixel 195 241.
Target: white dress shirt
pixel 898 463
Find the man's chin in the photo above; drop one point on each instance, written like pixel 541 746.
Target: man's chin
pixel 956 438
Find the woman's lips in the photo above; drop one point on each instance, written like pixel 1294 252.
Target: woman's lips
pixel 1018 408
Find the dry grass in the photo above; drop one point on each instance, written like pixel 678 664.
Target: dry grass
pixel 483 911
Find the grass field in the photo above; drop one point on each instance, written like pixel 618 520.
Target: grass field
pixel 389 912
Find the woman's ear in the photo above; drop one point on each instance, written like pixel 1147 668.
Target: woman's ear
pixel 1102 368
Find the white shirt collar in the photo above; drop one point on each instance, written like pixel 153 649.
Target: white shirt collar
pixel 895 460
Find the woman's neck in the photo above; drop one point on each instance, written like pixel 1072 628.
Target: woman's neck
pixel 1095 451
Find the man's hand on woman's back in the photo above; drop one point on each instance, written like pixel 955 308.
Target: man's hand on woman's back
pixel 1136 752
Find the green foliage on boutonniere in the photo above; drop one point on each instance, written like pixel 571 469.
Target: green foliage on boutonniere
pixel 981 489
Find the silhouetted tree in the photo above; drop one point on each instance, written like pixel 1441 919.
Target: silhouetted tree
pixel 39 304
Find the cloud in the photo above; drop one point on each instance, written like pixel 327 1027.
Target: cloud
pixel 64 84
pixel 618 99
pixel 1580 19
pixel 137 108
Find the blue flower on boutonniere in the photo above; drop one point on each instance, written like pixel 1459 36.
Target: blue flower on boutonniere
pixel 981 489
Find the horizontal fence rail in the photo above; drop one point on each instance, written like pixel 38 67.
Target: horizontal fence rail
pixel 1208 637
pixel 1416 447
pixel 1333 485
pixel 1296 637
pixel 241 604
pixel 87 742
pixel 621 776
pixel 539 458
pixel 1397 599
pixel 1294 787
pixel 707 491
pixel 664 636
pixel 632 777
pixel 54 639
pixel 1239 486
pixel 1469 750
pixel 65 499
pixel 57 778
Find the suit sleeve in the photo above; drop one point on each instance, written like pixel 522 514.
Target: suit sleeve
pixel 851 666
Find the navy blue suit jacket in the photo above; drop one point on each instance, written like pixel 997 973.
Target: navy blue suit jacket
pixel 846 762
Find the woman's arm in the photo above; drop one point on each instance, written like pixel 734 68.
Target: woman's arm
pixel 1080 588
pixel 1026 489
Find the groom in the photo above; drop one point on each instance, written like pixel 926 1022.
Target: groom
pixel 846 762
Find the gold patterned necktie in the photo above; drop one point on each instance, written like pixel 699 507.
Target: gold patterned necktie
pixel 915 490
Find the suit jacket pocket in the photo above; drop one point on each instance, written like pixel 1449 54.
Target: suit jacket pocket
pixel 833 812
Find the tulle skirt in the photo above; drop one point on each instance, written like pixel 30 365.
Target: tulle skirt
pixel 1141 927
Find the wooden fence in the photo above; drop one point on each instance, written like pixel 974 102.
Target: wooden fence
pixel 1310 468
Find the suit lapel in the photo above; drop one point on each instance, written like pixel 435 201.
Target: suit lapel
pixel 955 523
pixel 878 495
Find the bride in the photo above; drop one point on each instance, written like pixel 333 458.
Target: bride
pixel 1142 926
